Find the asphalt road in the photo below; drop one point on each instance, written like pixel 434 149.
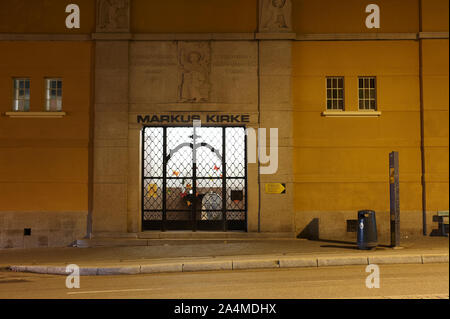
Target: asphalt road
pixel 396 281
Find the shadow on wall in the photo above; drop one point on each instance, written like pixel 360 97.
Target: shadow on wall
pixel 311 231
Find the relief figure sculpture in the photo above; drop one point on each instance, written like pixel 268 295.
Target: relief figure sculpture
pixel 276 15
pixel 195 82
pixel 112 14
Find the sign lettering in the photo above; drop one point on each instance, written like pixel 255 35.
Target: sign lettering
pixel 183 118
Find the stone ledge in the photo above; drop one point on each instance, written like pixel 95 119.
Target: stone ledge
pixel 37 115
pixel 276 36
pixel 118 36
pixel 433 35
pixel 43 37
pixel 356 36
pixel 192 36
pixel 351 114
pixel 112 36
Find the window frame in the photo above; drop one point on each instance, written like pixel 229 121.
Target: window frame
pixel 338 77
pixel 375 88
pixel 48 99
pixel 17 98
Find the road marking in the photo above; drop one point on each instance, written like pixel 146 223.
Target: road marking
pixel 431 296
pixel 112 291
pixel 419 297
pixel 155 289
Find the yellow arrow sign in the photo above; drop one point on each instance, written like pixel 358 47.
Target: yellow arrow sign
pixel 275 188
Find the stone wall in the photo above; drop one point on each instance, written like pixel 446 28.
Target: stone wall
pixel 48 229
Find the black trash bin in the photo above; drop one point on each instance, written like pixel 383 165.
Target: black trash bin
pixel 367 230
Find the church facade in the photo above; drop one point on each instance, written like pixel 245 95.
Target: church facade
pixel 129 116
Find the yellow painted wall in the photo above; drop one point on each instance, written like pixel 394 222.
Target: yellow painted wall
pixel 436 106
pixel 48 16
pixel 194 16
pixel 349 16
pixel 44 16
pixel 341 164
pixel 435 15
pixel 44 162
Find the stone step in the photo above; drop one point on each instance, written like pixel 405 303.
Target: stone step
pixel 213 235
pixel 180 238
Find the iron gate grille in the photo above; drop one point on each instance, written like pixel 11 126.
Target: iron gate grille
pixel 194 178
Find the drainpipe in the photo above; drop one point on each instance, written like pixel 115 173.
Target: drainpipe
pixel 422 128
pixel 91 146
pixel 258 151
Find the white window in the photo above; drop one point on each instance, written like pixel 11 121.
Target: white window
pixel 367 93
pixel 335 93
pixel 21 101
pixel 53 95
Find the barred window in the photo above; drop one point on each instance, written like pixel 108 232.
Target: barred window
pixel 53 95
pixel 335 93
pixel 367 93
pixel 21 101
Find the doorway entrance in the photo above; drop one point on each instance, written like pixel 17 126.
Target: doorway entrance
pixel 194 178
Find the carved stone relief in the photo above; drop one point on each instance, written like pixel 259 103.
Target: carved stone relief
pixel 113 15
pixel 275 16
pixel 194 65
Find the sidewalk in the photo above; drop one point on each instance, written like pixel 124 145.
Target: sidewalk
pixel 185 255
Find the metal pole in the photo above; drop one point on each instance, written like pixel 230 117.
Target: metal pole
pixel 164 190
pixel 224 181
pixel 194 176
pixel 422 129
pixel 394 187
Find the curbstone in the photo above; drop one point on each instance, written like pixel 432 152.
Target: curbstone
pixel 88 271
pixel 208 266
pixel 18 268
pixel 37 269
pixel 161 268
pixel 435 259
pixel 255 264
pixel 403 259
pixel 341 261
pixel 127 270
pixel 240 264
pixel 58 271
pixel 298 262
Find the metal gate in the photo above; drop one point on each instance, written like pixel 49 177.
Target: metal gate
pixel 194 178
